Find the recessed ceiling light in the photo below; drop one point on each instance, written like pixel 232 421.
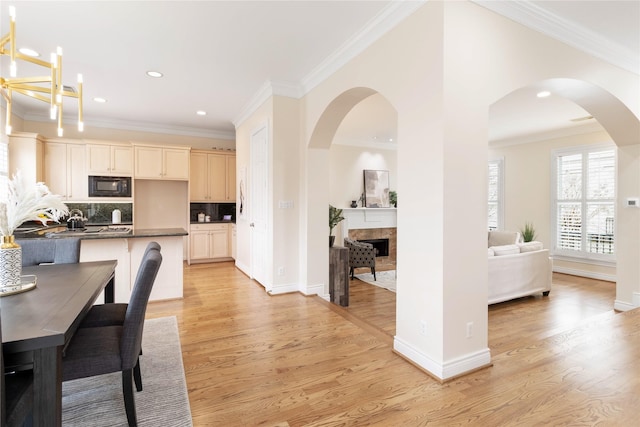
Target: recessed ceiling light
pixel 29 52
pixel 201 113
pixel 390 139
pixel 100 100
pixel 154 74
pixel 543 94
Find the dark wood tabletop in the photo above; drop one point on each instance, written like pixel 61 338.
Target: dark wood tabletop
pixel 40 322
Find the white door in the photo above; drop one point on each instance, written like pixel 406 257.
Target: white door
pixel 258 206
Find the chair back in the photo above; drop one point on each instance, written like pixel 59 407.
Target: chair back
pixel 131 342
pixel 56 251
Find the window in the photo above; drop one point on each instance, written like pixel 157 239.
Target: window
pixel 4 170
pixel 585 193
pixel 496 209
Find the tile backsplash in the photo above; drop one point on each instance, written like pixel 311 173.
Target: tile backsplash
pixel 100 213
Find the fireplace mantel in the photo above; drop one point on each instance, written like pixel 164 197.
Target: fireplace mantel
pixel 363 218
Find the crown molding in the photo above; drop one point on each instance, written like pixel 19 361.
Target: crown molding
pixel 545 136
pixel 382 23
pixel 385 20
pixel 537 18
pixel 139 127
pixel 267 90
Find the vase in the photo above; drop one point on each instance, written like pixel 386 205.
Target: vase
pixel 331 240
pixel 354 203
pixel 10 261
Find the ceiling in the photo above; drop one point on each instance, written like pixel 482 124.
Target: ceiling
pixel 218 56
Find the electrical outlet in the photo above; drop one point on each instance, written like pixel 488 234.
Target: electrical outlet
pixel 469 329
pixel 280 271
pixel 423 327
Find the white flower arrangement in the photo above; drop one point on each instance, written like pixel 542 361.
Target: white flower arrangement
pixel 29 203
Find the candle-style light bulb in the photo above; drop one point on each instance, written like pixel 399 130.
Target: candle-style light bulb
pixel 80 126
pixel 60 132
pixel 53 112
pixel 13 69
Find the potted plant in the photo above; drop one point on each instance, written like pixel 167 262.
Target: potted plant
pixel 393 198
pixel 528 232
pixel 335 216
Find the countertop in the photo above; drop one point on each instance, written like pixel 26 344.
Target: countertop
pixel 50 232
pixel 219 221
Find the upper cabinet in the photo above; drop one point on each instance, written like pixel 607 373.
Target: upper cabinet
pixel 26 153
pixel 213 177
pixel 65 170
pixel 114 160
pixel 153 162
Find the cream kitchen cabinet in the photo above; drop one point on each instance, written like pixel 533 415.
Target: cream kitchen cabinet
pixel 65 171
pixel 212 177
pixel 209 242
pixel 161 162
pixel 114 160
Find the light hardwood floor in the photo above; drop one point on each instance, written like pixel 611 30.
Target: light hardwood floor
pixel 257 360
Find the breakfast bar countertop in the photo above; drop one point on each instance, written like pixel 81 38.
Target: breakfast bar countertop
pixel 98 232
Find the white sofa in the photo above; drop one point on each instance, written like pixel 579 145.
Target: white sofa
pixel 516 269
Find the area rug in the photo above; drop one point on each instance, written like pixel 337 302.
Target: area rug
pixel 164 401
pixel 385 279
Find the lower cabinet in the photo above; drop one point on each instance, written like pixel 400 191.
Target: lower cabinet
pixel 209 242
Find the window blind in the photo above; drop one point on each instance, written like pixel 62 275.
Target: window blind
pixel 494 213
pixel 585 201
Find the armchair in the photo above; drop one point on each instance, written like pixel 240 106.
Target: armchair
pixel 361 255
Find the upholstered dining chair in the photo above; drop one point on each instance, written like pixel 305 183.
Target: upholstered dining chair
pixel 112 313
pixel 107 349
pixel 16 394
pixel 56 251
pixel 360 255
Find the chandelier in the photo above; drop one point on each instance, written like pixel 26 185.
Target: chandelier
pixel 48 88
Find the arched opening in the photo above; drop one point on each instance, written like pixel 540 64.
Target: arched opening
pixel 586 118
pixel 358 129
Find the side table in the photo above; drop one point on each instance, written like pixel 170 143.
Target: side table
pixel 339 275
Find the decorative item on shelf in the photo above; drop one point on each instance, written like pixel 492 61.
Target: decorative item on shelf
pixel 335 216
pixel 361 200
pixel 393 198
pixel 528 232
pixel 376 188
pixel 48 88
pixel 24 203
pixel 354 203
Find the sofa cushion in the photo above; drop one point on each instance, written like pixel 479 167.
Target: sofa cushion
pixel 500 238
pixel 490 252
pixel 505 250
pixel 531 246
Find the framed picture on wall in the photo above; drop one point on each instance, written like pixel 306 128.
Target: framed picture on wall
pixel 376 189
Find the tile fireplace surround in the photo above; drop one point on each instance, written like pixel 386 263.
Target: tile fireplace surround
pixel 372 223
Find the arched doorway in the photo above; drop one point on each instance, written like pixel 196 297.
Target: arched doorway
pixel 623 128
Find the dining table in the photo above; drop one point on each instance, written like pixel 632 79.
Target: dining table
pixel 37 325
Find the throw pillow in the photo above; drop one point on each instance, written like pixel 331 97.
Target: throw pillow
pixel 530 246
pixel 505 250
pixel 490 252
pixel 500 238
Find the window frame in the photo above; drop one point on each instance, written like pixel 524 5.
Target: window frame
pixel 499 162
pixel 582 255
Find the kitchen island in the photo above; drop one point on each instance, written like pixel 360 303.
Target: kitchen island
pixel 127 248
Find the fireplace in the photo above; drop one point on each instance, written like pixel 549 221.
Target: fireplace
pixel 380 245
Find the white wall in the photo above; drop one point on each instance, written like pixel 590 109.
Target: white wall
pixel 451 61
pixel 346 164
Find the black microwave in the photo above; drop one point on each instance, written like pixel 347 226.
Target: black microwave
pixel 109 186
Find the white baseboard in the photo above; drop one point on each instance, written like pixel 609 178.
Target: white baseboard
pixel 284 288
pixel 244 268
pixel 448 369
pixel 625 306
pixel 583 273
